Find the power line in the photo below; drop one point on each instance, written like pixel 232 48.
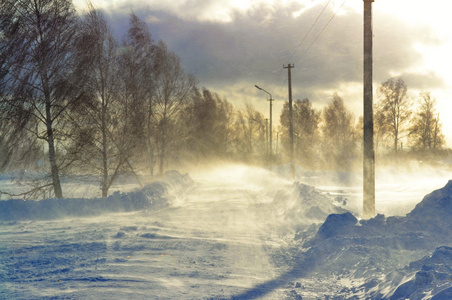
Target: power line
pixel 281 86
pixel 310 29
pixel 323 29
pixel 304 38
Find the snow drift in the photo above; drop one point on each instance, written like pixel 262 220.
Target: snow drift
pixel 152 196
pixel 264 236
pixel 410 253
pixel 432 277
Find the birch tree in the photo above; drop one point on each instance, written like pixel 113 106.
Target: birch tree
pixel 394 108
pixel 40 75
pixel 339 133
pixel 95 121
pixel 140 70
pixel 425 131
pixel 172 93
pixel 306 121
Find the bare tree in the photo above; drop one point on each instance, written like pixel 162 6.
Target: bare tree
pixel 18 147
pixel 172 93
pixel 259 145
pixel 140 70
pixel 207 120
pixel 394 108
pixel 438 136
pixel 95 120
pixel 339 133
pixel 241 141
pixel 425 128
pixel 248 138
pixel 306 121
pixel 40 76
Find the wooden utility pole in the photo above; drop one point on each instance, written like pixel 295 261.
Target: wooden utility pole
pixel 368 151
pixel 292 170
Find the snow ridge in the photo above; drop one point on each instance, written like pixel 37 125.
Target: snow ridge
pixel 151 197
pixel 397 257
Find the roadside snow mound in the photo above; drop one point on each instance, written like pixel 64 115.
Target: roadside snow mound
pixel 306 205
pixel 382 248
pixel 335 224
pixel 434 212
pixel 152 196
pixel 434 278
pixel 429 276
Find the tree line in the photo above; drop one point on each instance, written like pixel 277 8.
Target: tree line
pixel 75 100
pixel 331 138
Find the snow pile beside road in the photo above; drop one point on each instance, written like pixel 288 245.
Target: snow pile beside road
pixel 434 212
pixel 292 208
pixel 311 205
pixel 303 205
pixel 382 248
pixel 429 276
pixel 152 196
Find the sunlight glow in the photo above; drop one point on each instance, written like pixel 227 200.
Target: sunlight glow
pixel 430 18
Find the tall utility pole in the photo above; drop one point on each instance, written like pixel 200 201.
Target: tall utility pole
pixel 271 128
pixel 292 170
pixel 368 152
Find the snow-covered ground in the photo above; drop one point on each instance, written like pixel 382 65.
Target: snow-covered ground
pixel 233 232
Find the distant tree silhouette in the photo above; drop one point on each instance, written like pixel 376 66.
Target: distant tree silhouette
pixel 207 121
pixel 306 121
pixel 339 135
pixel 425 130
pixel 172 93
pixel 393 109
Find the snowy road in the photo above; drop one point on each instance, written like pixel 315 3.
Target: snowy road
pixel 210 244
pixel 232 236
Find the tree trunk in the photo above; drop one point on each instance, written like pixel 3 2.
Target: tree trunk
pixel 52 154
pixel 151 159
pixel 54 168
pixel 149 140
pixel 163 148
pixel 105 185
pixel 435 133
pixel 396 140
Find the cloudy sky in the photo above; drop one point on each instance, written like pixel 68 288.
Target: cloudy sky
pixel 231 45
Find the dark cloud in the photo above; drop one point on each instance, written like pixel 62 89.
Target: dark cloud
pixel 253 47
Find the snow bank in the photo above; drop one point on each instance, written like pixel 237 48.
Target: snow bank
pixel 434 212
pixel 306 205
pixel 151 196
pixel 335 224
pixel 370 249
pixel 427 277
